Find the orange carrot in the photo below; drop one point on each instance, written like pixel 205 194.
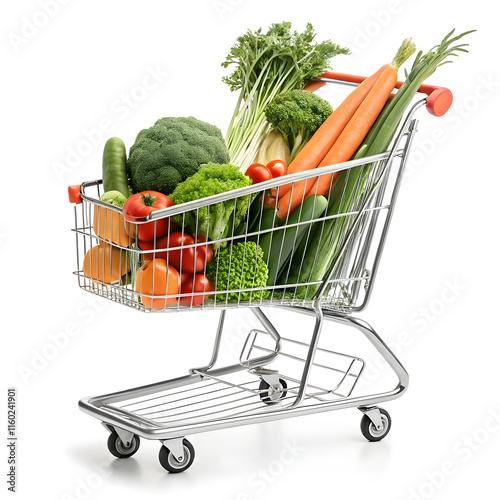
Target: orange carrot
pixel 355 131
pixel 359 114
pixel 323 139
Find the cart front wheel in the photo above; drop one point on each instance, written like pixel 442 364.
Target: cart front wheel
pixel 369 429
pixel 120 449
pixel 272 394
pixel 170 463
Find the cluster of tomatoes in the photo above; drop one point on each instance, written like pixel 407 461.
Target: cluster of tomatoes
pixel 261 173
pixel 175 261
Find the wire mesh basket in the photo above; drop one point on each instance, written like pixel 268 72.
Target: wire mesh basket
pixel 111 258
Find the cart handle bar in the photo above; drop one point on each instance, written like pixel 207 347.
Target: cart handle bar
pixel 438 102
pixel 438 99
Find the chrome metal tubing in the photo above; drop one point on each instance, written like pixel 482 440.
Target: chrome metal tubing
pixel 263 360
pixel 387 162
pixel 215 351
pixel 412 128
pixel 310 357
pixel 235 193
pixel 99 407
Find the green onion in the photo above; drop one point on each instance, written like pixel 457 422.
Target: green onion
pixel 328 237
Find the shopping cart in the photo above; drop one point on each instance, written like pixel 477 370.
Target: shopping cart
pixel 275 376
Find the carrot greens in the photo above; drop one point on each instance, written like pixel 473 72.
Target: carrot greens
pixel 267 64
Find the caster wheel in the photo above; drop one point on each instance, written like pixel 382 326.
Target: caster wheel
pixel 170 463
pixel 120 449
pixel 271 395
pixel 371 432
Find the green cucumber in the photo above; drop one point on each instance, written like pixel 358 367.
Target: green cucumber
pixel 268 220
pixel 279 248
pixel 249 219
pixel 290 268
pixel 254 213
pixel 114 167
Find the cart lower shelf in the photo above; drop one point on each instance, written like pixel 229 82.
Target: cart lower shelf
pixel 210 398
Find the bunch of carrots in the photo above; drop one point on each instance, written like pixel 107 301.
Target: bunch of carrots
pixel 342 133
pixel 363 125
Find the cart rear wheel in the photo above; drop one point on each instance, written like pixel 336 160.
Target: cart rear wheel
pixel 274 394
pixel 369 429
pixel 170 463
pixel 120 449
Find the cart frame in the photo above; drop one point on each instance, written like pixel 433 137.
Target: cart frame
pixel 177 454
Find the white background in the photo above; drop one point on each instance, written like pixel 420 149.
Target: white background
pixel 69 74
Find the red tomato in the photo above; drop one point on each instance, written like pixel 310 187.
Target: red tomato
pixel 177 253
pixel 186 278
pixel 157 278
pixel 194 258
pixel 159 244
pixel 140 205
pixel 204 248
pixel 277 168
pixel 269 201
pixel 258 173
pixel 195 283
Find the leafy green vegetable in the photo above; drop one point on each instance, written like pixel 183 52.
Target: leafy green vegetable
pixel 114 198
pixel 268 64
pixel 239 266
pixel 384 128
pixel 297 114
pixel 212 221
pixel 172 150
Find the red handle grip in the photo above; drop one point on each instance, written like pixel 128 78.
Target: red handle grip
pixel 74 194
pixel 439 99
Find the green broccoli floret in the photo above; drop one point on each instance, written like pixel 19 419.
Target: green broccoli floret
pixel 239 266
pixel 172 150
pixel 297 114
pixel 212 221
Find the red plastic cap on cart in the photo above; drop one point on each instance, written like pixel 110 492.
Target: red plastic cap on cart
pixel 74 194
pixel 439 102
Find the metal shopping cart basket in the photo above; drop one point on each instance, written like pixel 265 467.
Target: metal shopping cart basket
pixel 275 376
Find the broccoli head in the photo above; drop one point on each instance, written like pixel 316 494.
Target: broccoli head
pixel 297 114
pixel 172 150
pixel 212 221
pixel 237 267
